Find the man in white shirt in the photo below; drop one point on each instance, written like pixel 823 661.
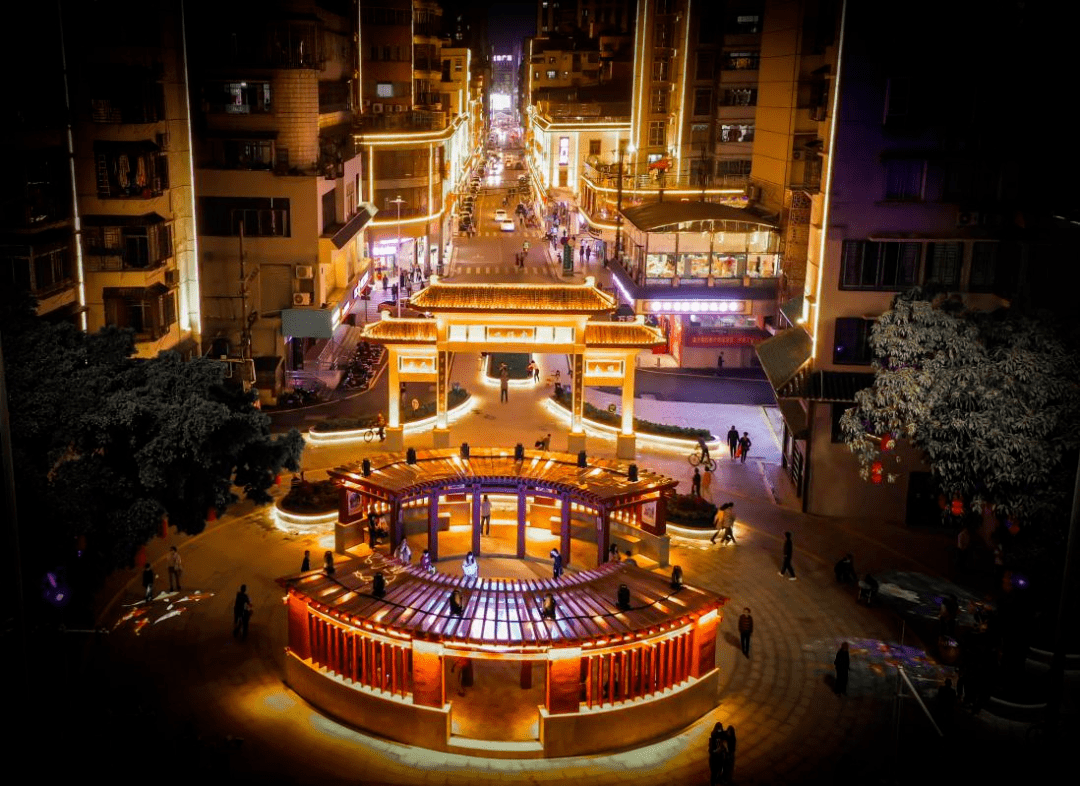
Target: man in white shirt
pixel 485 516
pixel 176 567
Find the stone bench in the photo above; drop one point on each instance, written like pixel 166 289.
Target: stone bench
pixel 578 529
pixel 626 542
pixel 417 525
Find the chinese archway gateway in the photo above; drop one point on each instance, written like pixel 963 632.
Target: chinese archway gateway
pixel 608 675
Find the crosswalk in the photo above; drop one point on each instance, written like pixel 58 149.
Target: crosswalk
pixel 466 269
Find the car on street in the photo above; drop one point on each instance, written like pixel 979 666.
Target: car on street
pixel 407 312
pixel 500 215
pixel 507 225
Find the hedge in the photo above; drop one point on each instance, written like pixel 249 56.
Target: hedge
pixel 408 415
pixel 320 496
pixel 517 363
pixel 644 426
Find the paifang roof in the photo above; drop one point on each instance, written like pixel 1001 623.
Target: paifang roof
pixel 622 334
pixel 503 612
pixel 603 481
pixel 402 331
pixel 513 298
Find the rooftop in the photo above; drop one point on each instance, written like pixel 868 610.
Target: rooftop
pixel 666 216
pixel 514 298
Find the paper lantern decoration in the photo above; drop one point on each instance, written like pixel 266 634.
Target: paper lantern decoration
pixel 876 472
pixel 957 508
pixel 888 442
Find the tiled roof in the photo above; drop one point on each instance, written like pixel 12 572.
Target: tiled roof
pixel 621 334
pixel 506 612
pixel 401 331
pixel 663 216
pixel 602 481
pixel 783 355
pixel 513 298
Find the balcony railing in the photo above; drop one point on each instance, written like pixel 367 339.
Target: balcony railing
pixel 608 177
pixel 402 121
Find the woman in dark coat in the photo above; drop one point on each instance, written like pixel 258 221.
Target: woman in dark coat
pixel 718 754
pixel 729 767
pixel 842 663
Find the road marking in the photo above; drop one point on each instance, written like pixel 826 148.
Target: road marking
pixel 771 430
pixel 768 486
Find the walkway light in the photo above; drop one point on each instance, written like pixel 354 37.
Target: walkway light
pixel 365 467
pixel 622 599
pixel 519 452
pixel 465 450
pixel 632 474
pixel 582 460
pixel 676 578
pixel 410 456
pixel 378 585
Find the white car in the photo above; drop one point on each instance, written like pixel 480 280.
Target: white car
pixel 500 215
pixel 507 225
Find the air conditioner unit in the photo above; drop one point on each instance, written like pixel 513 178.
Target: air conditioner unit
pixel 163 140
pixel 399 108
pixel 797 155
pixel 301 299
pixel 753 193
pixel 377 108
pixel 967 218
pixel 305 271
pixel 172 278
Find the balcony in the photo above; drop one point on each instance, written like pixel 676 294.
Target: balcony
pixel 417 120
pixel 607 176
pixel 613 112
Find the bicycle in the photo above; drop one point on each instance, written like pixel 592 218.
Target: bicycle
pixel 695 459
pixel 372 433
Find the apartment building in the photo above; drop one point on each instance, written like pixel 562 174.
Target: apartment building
pixel 415 132
pixel 280 217
pixel 884 177
pixel 98 211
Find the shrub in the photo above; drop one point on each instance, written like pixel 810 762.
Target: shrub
pixel 644 426
pixel 408 414
pixel 320 496
pixel 691 511
pixel 516 363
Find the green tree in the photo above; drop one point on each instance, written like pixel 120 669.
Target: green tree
pixel 991 398
pixel 105 445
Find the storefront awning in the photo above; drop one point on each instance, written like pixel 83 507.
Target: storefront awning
pixel 307 322
pixel 783 355
pixel 664 216
pixel 792 310
pixel 353 226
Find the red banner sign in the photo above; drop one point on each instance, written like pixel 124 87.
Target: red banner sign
pixel 723 340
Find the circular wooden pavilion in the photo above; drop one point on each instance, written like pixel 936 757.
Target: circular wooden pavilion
pixel 594 675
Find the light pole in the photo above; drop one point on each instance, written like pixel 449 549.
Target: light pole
pixel 623 149
pixel 397 246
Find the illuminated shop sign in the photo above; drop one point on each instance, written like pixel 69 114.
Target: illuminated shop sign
pixel 696 306
pixel 564 150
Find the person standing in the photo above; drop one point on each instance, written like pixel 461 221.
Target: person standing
pixel 842 661
pixel 373 529
pixel 485 516
pixel 148 581
pixel 706 485
pixel 425 562
pixel 789 549
pixel 536 372
pixel 719 364
pixel 469 566
pixel 403 552
pixel 394 291
pixel 733 440
pixel 556 563
pixel 744 446
pixel 613 553
pixel 176 567
pixel 241 613
pixel 746 630
pixel 504 385
pixel 695 483
pixel 717 754
pixel 305 566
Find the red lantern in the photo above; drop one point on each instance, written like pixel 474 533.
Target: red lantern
pixel 875 472
pixel 888 442
pixel 277 480
pixel 211 515
pixel 957 507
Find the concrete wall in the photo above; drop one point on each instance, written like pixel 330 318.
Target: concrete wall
pixel 396 719
pixel 591 731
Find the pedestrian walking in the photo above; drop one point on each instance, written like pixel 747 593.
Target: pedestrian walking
pixel 373 529
pixel 385 283
pixel 717 754
pixel 729 768
pixel 394 291
pixel 242 609
pixel 842 661
pixel 504 385
pixel 556 563
pixel 746 630
pixel 176 567
pixel 789 549
pixel 328 562
pixel 380 426
pixel 706 485
pixel 305 566
pixel 744 446
pixel 719 364
pixel 148 581
pixel 695 483
pixel 485 516
pixel 733 440
pixel 727 523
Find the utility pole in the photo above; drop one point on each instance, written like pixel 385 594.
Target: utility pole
pixel 397 247
pixel 618 202
pixel 245 324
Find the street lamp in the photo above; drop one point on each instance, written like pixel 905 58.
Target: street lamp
pixel 397 246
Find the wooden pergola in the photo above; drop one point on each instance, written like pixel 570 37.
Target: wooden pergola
pixel 589 498
pixel 614 674
pixel 526 318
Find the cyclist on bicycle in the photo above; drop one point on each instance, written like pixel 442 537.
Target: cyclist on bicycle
pixel 380 427
pixel 705 458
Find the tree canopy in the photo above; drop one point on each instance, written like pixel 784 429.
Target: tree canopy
pixel 105 445
pixel 991 398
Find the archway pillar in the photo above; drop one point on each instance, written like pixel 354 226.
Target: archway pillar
pixel 521 520
pixel 564 527
pixel 441 434
pixel 476 495
pixel 433 526
pixel 603 534
pixel 395 434
pixel 576 439
pixel 626 442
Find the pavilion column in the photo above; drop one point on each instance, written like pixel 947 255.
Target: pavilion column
pixel 521 522
pixel 626 442
pixel 563 681
pixel 428 685
pixel 441 432
pixel 433 525
pixel 576 440
pixel 395 434
pixel 703 654
pixel 299 632
pixel 476 520
pixel 564 528
pixel 603 535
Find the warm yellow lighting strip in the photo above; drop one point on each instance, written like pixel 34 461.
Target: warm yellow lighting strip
pixel 828 185
pixel 677 142
pixel 639 81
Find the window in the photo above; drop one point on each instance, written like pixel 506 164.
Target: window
pixel 733 167
pixel 149 312
pixel 657 137
pixel 740 96
pixel 243 153
pixel 459 64
pixel 662 34
pixel 737 132
pixel 661 69
pixel 238 98
pixel 703 68
pixel 536 75
pixel 699 136
pixel 943 263
pixel 748 23
pixel 594 147
pixel 130 169
pixel 564 150
pixel 552 74
pixel 904 178
pixel 740 61
pixel 851 345
pixel 884 266
pixel 133 247
pixel 384 89
pixel 659 100
pixel 259 217
pixel 897 99
pixel 984 264
pixel 702 101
